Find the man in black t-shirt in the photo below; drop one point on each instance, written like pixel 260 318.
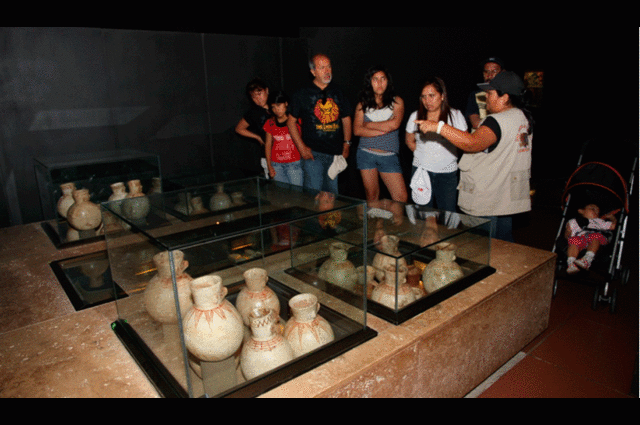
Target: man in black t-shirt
pixel 325 115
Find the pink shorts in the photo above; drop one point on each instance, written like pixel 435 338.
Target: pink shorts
pixel 583 241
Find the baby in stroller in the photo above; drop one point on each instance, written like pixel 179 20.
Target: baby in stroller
pixel 586 232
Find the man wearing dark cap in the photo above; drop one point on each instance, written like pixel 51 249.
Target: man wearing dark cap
pixel 476 104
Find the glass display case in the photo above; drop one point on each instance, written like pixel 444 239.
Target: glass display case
pixel 71 187
pixel 204 303
pixel 417 258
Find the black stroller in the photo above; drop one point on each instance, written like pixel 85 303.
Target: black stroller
pixel 603 184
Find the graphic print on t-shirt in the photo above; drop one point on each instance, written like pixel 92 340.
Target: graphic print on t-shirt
pixel 327 113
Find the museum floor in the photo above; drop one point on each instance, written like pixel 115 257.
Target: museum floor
pixel 583 353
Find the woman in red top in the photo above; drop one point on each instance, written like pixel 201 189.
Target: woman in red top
pixel 283 158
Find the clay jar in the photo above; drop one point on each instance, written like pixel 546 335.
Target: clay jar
pixel 118 193
pixel 337 269
pixel 388 257
pixel 159 299
pixel 305 330
pixel 256 294
pixel 443 269
pixel 136 206
pixel 66 200
pixel 387 292
pixel 220 200
pixel 83 214
pixel 266 348
pixel 213 329
pixel 197 207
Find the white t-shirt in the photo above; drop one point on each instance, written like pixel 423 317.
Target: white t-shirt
pixel 434 152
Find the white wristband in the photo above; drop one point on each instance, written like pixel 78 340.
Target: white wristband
pixel 440 125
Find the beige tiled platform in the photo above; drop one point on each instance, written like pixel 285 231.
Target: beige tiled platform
pixel 47 349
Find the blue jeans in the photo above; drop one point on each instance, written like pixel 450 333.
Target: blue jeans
pixel 288 172
pixel 315 173
pixel 444 190
pixel 501 227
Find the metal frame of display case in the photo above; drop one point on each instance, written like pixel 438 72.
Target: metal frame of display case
pixel 204 241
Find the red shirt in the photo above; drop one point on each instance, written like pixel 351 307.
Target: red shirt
pixel 283 148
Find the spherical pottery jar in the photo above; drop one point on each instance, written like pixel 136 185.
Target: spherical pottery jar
pixel 256 294
pixel 387 292
pixel 306 330
pixel 158 297
pixel 337 269
pixel 118 193
pixel 136 206
pixel 391 256
pixel 220 200
pixel 66 200
pixel 212 327
pixel 265 349
pixel 83 214
pixel 197 207
pixel 443 269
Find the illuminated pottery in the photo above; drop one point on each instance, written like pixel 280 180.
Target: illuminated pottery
pixel 443 269
pixel 306 330
pixel 66 200
pixel 390 255
pixel 266 349
pixel 392 289
pixel 136 206
pixel 83 214
pixel 338 269
pixel 213 328
pixel 220 200
pixel 159 299
pixel 256 294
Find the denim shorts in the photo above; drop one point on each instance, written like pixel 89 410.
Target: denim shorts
pixel 384 163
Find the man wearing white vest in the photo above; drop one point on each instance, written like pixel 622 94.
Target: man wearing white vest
pixel 496 166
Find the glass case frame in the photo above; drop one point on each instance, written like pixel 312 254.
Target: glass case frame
pixel 95 172
pixel 258 230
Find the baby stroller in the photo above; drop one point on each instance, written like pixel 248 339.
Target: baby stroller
pixel 603 184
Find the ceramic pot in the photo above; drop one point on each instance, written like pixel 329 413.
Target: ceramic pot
pixel 368 279
pixel 390 255
pixel 237 198
pixel 83 214
pixel 66 200
pixel 212 327
pixel 392 289
pixel 306 330
pixel 118 193
pixel 443 269
pixel 265 349
pixel 197 207
pixel 156 186
pixel 255 294
pixel 136 206
pixel 338 269
pixel 220 200
pixel 159 299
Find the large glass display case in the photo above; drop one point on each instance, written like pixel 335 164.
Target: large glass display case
pixel 71 187
pixel 417 258
pixel 208 309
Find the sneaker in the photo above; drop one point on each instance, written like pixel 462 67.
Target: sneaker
pixel 583 263
pixel 571 268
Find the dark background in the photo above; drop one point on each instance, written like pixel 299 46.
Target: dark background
pixel 178 92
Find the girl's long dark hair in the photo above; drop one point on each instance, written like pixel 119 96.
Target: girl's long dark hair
pixel 367 98
pixel 445 109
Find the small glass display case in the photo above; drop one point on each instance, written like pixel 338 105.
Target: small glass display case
pixel 72 187
pixel 417 258
pixel 204 301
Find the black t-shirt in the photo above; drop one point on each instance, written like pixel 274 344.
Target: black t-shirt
pixel 321 113
pixel 493 125
pixel 256 116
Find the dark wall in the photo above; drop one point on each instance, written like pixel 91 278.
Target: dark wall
pixel 180 94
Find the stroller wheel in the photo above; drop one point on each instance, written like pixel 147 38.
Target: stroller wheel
pixel 612 304
pixel 596 299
